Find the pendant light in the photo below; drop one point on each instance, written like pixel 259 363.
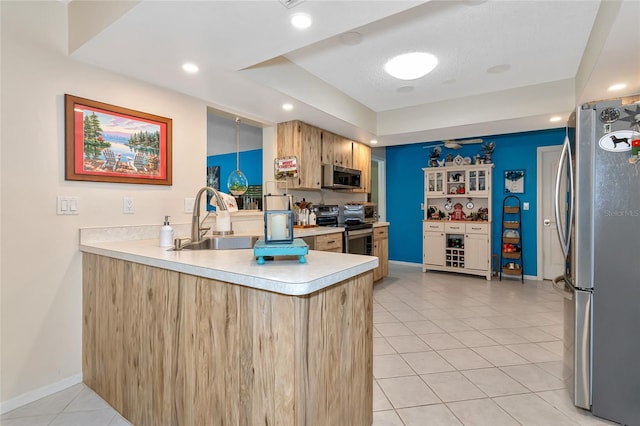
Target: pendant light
pixel 237 182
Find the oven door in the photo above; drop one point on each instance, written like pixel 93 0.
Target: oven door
pixel 359 241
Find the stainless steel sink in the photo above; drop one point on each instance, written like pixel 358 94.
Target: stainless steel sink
pixel 227 242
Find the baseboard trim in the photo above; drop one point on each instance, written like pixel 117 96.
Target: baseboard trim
pixel 34 395
pixel 400 262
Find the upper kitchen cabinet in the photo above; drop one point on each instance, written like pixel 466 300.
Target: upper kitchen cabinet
pixel 303 141
pixel 336 150
pixel 362 162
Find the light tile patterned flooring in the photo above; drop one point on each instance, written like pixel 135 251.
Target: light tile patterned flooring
pixel 448 350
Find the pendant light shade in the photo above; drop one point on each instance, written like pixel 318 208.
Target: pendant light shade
pixel 237 184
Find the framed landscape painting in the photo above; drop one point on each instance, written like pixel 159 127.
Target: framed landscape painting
pixel 107 143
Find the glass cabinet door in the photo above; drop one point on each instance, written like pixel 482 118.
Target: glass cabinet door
pixel 434 183
pixel 477 182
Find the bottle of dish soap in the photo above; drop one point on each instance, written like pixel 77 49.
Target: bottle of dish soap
pixel 166 234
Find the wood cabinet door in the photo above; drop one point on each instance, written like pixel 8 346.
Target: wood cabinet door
pixel 301 140
pixel 327 147
pixel 476 249
pixel 433 248
pixel 343 152
pixel 362 162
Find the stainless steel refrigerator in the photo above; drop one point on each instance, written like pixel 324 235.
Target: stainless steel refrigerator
pixel 598 216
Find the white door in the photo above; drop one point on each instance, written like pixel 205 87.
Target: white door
pixel 550 258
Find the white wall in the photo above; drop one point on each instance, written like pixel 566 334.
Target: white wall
pixel 41 311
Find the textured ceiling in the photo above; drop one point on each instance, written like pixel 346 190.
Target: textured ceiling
pixel 251 60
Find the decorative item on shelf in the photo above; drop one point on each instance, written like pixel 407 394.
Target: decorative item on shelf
pixel 458 160
pixel 469 204
pixel 458 214
pixel 448 205
pixel 487 149
pixel 435 154
pixel 461 189
pixel 483 213
pixel 449 160
pixel 237 182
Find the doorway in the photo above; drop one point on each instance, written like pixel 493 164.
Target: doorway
pixel 378 186
pixel 550 257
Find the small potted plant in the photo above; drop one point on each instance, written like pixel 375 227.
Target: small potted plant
pixel 488 149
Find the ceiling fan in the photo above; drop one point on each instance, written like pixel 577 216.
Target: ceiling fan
pixel 457 144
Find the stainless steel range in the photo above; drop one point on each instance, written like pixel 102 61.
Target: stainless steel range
pixel 358 235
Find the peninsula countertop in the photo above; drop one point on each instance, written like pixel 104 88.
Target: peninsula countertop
pixel 285 276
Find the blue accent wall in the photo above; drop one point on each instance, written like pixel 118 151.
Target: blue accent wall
pixel 405 190
pixel 250 164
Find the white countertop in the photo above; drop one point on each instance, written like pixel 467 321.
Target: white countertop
pixel 286 276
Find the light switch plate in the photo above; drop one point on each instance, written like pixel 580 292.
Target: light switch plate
pixel 525 205
pixel 67 205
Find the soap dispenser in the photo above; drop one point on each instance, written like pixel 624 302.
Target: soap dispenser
pixel 166 234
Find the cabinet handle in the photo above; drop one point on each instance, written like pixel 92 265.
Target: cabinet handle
pixel 476 229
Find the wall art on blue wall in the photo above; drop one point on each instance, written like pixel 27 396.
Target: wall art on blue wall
pixel 514 181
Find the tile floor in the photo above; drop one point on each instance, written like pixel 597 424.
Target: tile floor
pixel 448 350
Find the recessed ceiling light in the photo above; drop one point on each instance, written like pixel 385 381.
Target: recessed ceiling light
pixel 498 69
pixel 190 68
pixel 373 141
pixel 287 107
pixel 301 21
pixel 618 86
pixel 555 118
pixel 410 66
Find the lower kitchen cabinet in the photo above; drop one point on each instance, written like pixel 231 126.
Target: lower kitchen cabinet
pixel 329 242
pixel 457 246
pixel 381 251
pixel 432 245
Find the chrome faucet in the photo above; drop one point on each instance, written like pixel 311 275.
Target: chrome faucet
pixel 196 226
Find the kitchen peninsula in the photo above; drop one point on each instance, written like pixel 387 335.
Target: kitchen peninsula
pixel 212 338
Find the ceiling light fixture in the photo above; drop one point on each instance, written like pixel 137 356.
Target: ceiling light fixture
pixel 190 68
pixel 237 183
pixel 410 66
pixel 618 86
pixel 555 118
pixel 301 21
pixel 374 141
pixel 287 107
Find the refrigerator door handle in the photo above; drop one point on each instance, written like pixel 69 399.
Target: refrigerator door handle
pixel 565 159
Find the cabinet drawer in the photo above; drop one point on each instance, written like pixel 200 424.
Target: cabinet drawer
pixel 380 233
pixel 434 226
pixel 329 242
pixel 477 228
pixel 454 228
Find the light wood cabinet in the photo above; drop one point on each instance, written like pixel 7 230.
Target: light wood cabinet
pixel 314 147
pixel 362 162
pixel 329 242
pixel 381 251
pixel 301 140
pixel 336 150
pixel 170 348
pixel 462 246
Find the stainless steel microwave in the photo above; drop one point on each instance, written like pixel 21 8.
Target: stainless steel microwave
pixel 336 177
